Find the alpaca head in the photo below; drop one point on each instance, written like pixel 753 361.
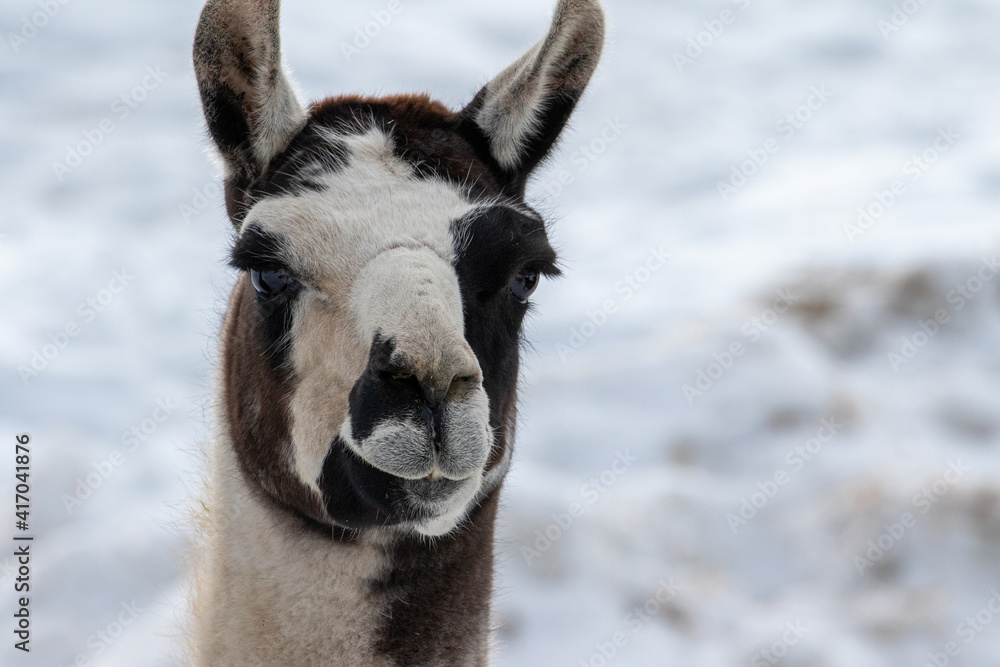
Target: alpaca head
pixel 370 352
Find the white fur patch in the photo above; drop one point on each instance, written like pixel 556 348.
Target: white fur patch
pixel 261 599
pixel 279 117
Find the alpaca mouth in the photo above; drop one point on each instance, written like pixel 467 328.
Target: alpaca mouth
pixel 358 494
pixel 429 494
pixel 405 448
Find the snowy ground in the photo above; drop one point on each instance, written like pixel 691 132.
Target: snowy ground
pixel 771 472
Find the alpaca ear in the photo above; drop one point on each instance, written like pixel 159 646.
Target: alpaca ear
pixel 250 107
pixel 524 109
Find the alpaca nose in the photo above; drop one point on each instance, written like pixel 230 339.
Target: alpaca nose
pixel 409 304
pixel 416 416
pixel 430 378
pixel 431 395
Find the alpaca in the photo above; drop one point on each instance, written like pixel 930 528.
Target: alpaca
pixel 369 352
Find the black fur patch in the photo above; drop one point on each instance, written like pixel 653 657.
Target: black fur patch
pixel 493 246
pixel 382 392
pixel 358 495
pixel 228 126
pixel 495 243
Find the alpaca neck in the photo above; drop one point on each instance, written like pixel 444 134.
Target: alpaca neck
pixel 275 590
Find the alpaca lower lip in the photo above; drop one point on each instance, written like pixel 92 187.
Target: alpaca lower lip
pixel 424 491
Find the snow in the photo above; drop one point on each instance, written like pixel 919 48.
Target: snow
pixel 915 443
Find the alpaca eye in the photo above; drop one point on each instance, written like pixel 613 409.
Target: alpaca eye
pixel 523 285
pixel 270 282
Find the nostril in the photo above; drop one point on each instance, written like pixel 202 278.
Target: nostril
pixel 437 393
pixel 395 375
pixel 391 376
pixel 461 384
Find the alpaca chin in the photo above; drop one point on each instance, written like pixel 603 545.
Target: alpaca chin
pixel 448 514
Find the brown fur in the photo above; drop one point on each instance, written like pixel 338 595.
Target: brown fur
pixel 427 135
pixel 432 619
pixel 255 404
